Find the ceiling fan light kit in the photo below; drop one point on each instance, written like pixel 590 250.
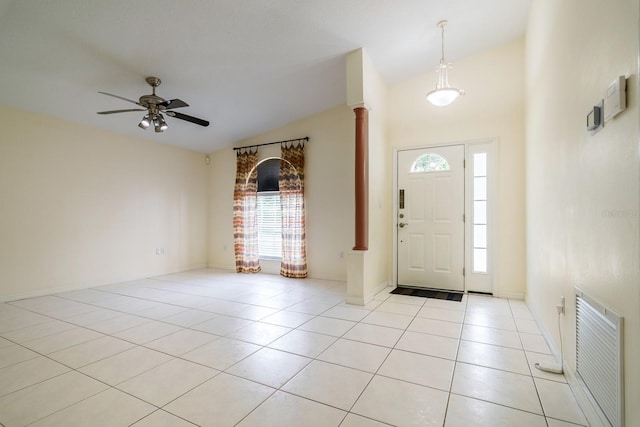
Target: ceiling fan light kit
pixel 159 124
pixel 154 107
pixel 443 94
pixel 145 122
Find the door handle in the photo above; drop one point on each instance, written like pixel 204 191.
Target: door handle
pixel 402 224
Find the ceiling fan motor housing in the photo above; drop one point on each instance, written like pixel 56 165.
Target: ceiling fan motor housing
pixel 152 101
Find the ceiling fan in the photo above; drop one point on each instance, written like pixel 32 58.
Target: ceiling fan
pixel 155 106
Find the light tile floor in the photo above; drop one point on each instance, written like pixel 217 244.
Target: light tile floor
pixel 213 348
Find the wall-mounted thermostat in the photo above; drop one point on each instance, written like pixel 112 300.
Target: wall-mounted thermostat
pixel 615 100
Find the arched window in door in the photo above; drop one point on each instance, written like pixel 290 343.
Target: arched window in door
pixel 430 162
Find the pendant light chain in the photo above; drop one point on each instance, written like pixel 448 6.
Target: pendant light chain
pixel 442 40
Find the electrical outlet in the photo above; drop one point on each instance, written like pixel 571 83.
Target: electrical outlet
pixel 341 255
pixel 560 307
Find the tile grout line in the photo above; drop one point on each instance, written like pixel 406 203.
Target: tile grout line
pixel 455 364
pixel 266 346
pixel 262 347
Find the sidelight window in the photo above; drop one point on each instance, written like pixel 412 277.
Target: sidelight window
pixel 480 217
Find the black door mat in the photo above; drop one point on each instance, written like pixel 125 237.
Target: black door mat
pixel 428 293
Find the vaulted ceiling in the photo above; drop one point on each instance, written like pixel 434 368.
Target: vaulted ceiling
pixel 247 66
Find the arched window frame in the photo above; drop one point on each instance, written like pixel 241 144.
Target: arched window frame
pixel 269 214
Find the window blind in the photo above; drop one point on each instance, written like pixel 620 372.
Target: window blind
pixel 269 225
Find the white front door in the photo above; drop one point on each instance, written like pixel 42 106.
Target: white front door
pixel 430 218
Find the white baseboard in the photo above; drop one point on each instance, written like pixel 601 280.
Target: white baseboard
pixel 511 295
pixel 330 277
pixel 369 297
pixel 355 301
pixel 312 275
pixel 379 288
pixel 592 412
pixel 42 292
pixel 93 283
pixel 227 267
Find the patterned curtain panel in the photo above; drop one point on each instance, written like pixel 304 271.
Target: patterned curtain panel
pixel 245 218
pixel 291 182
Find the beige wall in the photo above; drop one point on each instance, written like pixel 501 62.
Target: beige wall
pixel 378 260
pixel 329 157
pixel 80 206
pixel 492 108
pixel 576 180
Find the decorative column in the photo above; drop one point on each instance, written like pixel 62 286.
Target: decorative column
pixel 362 179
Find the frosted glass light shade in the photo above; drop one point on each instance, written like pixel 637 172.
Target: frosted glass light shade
pixel 159 124
pixel 144 123
pixel 444 96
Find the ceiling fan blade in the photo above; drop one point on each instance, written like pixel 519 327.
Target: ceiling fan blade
pixel 123 98
pixel 174 103
pixel 187 118
pixel 120 111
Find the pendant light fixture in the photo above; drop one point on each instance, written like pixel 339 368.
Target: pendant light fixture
pixel 443 94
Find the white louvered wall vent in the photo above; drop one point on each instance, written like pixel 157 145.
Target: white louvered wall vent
pixel 599 355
